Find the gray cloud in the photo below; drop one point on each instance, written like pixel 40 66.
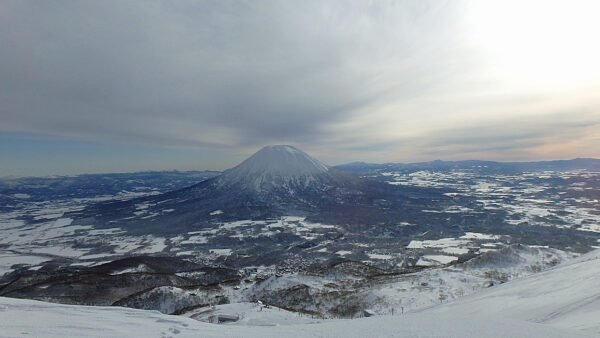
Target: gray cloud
pixel 511 138
pixel 359 78
pixel 260 71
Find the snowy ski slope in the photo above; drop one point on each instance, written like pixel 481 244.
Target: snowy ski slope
pixel 561 302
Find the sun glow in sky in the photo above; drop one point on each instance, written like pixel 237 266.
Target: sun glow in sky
pixel 122 86
pixel 540 44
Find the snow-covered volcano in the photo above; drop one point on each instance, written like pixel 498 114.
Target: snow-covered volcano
pixel 275 167
pixel 283 160
pixel 276 181
pixel 279 180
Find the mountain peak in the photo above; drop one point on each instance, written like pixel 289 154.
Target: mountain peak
pixel 281 147
pixel 280 161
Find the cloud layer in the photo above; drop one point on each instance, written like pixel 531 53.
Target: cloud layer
pixel 380 81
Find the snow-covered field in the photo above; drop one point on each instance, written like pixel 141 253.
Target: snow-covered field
pixel 42 231
pixel 528 198
pixel 561 302
pixel 53 237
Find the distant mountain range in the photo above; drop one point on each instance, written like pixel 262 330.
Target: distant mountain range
pixel 360 168
pixel 276 181
pixel 91 185
pixel 17 192
pixel 15 189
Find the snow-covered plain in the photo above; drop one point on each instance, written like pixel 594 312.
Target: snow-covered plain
pixel 561 302
pixel 528 198
pixel 42 231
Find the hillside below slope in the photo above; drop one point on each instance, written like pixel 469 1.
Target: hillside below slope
pixel 561 302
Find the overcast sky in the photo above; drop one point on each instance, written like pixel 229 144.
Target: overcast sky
pixel 103 86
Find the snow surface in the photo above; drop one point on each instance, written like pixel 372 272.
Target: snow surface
pixel 281 161
pixel 252 314
pixel 21 318
pixel 430 260
pixel 379 256
pixel 561 302
pixel 567 296
pixel 8 259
